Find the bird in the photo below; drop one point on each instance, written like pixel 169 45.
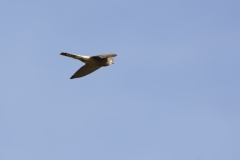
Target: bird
pixel 92 63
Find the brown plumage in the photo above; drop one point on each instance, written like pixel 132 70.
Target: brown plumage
pixel 92 63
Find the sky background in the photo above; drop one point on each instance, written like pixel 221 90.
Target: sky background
pixel 172 94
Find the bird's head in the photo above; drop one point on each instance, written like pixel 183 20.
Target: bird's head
pixel 110 61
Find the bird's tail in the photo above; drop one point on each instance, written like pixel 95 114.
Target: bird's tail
pixel 75 56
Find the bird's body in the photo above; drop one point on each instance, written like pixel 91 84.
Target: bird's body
pixel 92 63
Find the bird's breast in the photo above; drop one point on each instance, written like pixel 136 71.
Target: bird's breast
pixel 102 62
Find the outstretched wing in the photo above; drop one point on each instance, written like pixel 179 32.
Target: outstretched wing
pixel 102 56
pixel 75 56
pixel 85 70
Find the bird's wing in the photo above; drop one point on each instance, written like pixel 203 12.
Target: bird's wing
pixel 102 56
pixel 75 56
pixel 85 70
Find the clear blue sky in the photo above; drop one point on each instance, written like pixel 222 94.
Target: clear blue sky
pixel 172 94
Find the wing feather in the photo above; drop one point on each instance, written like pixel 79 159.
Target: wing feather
pixel 85 70
pixel 75 56
pixel 102 56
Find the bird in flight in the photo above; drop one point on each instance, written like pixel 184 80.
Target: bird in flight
pixel 92 63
